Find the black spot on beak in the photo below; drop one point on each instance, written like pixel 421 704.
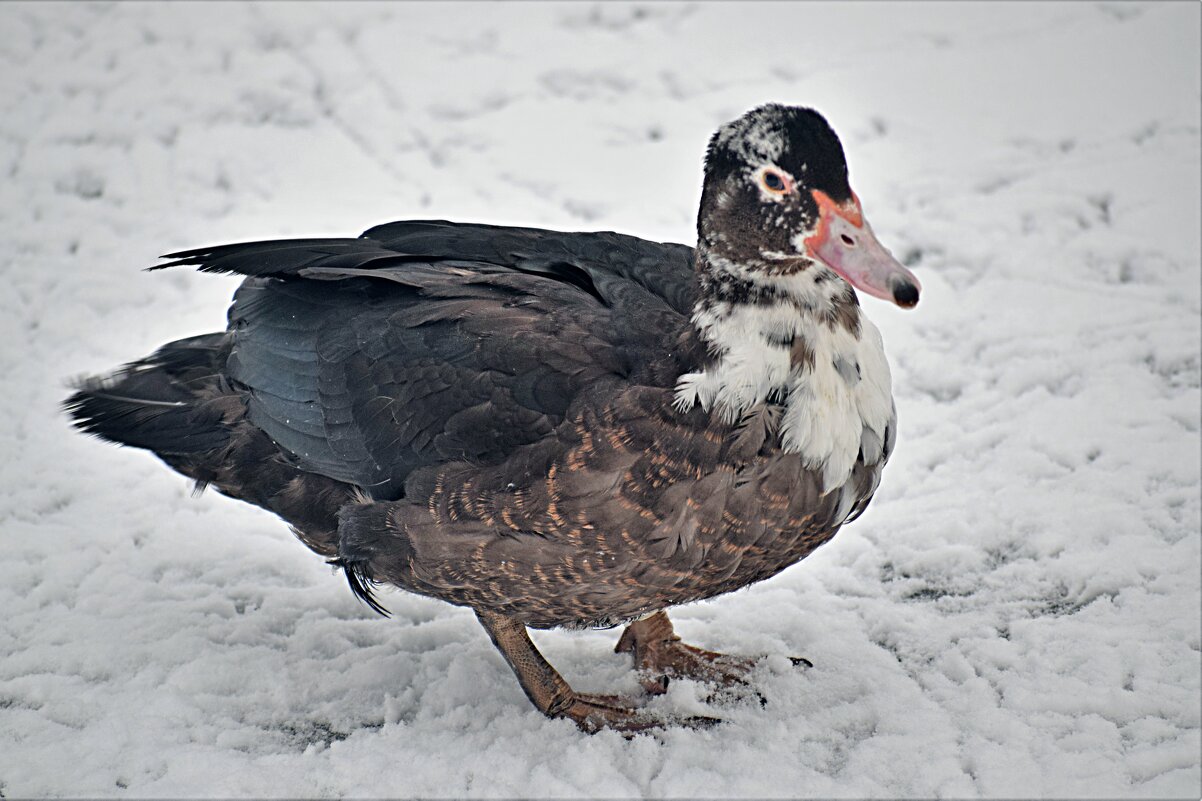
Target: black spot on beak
pixel 905 295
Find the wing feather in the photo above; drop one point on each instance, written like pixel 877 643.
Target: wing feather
pixel 423 342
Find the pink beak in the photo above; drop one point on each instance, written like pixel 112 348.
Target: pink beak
pixel 844 241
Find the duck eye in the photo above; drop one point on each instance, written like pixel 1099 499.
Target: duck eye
pixel 773 181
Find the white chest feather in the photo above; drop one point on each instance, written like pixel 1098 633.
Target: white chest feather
pixel 836 385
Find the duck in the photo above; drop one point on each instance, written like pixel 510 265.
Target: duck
pixel 566 430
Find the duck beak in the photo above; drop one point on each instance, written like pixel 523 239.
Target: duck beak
pixel 844 241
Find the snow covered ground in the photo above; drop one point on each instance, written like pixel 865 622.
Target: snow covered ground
pixel 1016 615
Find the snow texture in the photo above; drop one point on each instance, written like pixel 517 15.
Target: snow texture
pixel 1016 615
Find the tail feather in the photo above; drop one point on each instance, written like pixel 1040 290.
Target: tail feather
pixel 154 403
pixel 178 404
pixel 174 428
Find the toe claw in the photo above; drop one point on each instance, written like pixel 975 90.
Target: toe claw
pixel 654 685
pixel 594 713
pixel 659 654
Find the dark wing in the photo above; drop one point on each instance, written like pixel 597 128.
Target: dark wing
pixel 663 269
pixel 366 359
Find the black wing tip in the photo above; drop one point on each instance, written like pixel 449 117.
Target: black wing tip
pixel 360 583
pixel 192 258
pixel 280 258
pixel 186 258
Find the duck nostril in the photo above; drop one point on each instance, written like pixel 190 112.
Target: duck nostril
pixel 847 240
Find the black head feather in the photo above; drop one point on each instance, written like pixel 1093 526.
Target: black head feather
pixel 797 139
pixel 736 221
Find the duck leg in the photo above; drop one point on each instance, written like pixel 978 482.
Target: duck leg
pixel 659 656
pixel 552 695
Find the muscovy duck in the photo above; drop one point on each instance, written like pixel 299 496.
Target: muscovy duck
pixel 554 429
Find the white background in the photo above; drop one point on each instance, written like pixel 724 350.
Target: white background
pixel 1018 612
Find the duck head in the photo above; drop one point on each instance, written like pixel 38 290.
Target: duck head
pixel 776 203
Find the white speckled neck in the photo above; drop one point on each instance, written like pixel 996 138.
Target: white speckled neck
pixel 838 398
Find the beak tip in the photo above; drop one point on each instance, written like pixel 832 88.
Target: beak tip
pixel 905 295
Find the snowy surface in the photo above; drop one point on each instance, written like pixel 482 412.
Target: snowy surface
pixel 1018 612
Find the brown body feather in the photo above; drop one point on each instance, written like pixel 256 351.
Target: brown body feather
pixel 633 508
